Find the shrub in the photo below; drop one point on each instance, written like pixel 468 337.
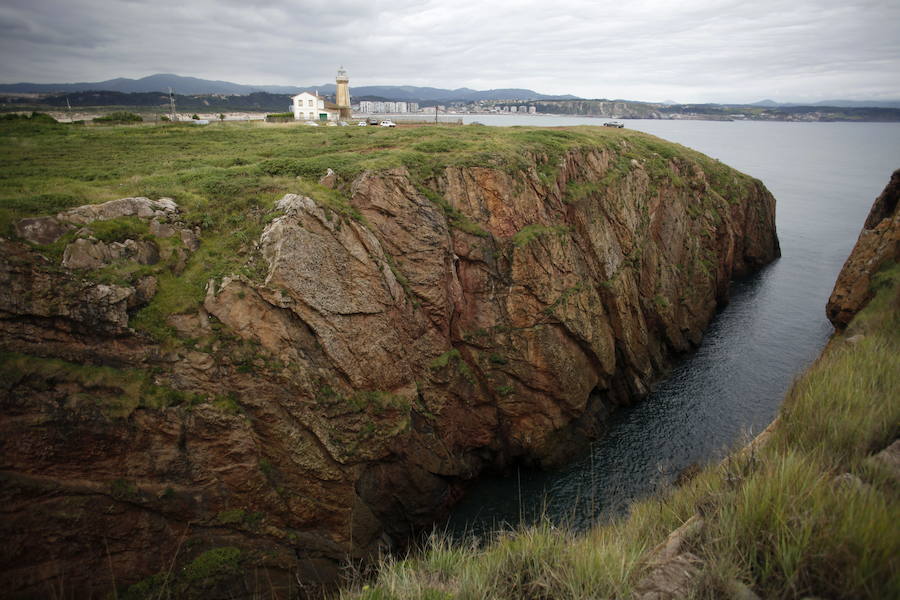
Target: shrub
pixel 277 117
pixel 119 117
pixel 33 121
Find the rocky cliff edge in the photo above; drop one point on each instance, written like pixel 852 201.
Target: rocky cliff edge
pixel 878 245
pixel 334 400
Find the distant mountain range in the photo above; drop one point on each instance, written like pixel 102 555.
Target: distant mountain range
pixel 836 103
pixel 193 86
pixel 161 82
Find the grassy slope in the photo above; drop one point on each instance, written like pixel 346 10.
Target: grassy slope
pixel 228 176
pixel 775 518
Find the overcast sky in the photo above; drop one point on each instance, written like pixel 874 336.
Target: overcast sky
pixel 688 51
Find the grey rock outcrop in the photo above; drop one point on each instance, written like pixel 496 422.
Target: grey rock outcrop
pixel 46 230
pixel 93 254
pixel 140 207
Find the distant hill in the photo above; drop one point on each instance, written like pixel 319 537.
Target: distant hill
pixel 256 101
pixel 161 82
pixel 832 103
pixel 154 83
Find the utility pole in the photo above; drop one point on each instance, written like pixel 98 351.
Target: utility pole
pixel 435 113
pixel 172 105
pixel 69 106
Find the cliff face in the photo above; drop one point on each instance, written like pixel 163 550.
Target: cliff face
pixel 878 243
pixel 332 403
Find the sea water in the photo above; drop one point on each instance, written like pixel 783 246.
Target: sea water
pixel 824 177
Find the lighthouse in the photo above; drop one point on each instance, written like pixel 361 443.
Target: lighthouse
pixel 342 94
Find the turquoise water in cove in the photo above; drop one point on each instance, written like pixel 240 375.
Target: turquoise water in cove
pixel 824 177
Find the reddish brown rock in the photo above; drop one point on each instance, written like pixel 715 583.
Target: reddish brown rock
pixel 878 243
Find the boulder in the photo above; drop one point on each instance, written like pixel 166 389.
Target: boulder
pixel 191 239
pixel 42 230
pixel 329 179
pixel 86 254
pixel 93 254
pixel 161 230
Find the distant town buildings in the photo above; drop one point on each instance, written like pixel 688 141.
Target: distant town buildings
pixel 370 107
pixel 375 107
pixel 510 108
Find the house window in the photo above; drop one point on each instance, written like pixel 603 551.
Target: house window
pixel 309 102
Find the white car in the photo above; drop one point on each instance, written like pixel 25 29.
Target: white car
pixel 388 124
pixel 312 124
pixel 361 124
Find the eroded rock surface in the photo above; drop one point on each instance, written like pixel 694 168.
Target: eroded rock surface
pixel 92 254
pixel 339 402
pixel 878 243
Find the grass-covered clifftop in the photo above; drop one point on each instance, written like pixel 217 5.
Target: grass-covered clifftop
pixel 810 509
pixel 226 178
pixel 218 170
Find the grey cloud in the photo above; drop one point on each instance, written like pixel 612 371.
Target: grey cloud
pixel 699 50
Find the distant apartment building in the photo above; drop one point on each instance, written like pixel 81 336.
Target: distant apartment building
pixel 532 110
pixel 375 107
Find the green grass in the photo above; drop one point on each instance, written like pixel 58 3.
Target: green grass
pixel 775 518
pixel 49 167
pixel 529 233
pixel 119 118
pixel 445 359
pixel 116 392
pixel 195 580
